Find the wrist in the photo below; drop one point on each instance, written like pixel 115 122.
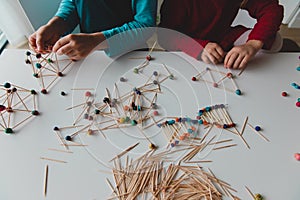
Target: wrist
pixel 256 44
pixel 59 24
pixel 100 39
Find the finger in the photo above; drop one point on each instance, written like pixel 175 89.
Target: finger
pixel 227 57
pixel 66 50
pixel 32 41
pixel 73 55
pixel 212 59
pixel 210 56
pixel 217 56
pixel 39 42
pixel 244 62
pixel 220 51
pixel 237 62
pixel 60 44
pixel 205 58
pixel 231 60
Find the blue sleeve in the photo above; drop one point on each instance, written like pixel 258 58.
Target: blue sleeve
pixel 129 35
pixel 67 11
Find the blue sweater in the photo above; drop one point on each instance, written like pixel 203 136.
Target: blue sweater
pixel 123 19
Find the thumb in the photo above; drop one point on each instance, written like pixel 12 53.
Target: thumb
pixel 39 42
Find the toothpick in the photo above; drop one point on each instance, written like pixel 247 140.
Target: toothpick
pixel 76 106
pixel 240 73
pixel 198 161
pixel 61 139
pixel 249 191
pixel 223 147
pixel 152 48
pixel 243 139
pixel 244 125
pixel 258 132
pixel 58 150
pixel 77 145
pixel 49 85
pixel 82 89
pixel 219 142
pixel 166 69
pixel 125 151
pixel 15 126
pixel 46 181
pixel 211 76
pixel 54 160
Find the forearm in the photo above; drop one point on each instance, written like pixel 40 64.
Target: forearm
pixel 68 14
pixel 269 15
pixel 60 24
pixel 133 33
pixel 100 40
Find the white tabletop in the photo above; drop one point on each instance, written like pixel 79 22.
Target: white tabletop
pixel 268 168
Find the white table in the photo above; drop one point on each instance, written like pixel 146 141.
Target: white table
pixel 267 168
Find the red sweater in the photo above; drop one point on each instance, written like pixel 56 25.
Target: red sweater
pixel 210 21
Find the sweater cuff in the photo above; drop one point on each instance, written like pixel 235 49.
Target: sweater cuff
pixel 267 42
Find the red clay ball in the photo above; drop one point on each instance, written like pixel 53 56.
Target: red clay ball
pixel 284 94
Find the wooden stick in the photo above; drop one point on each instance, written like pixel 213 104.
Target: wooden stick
pixel 258 132
pixel 167 69
pixel 49 85
pixel 221 141
pixel 199 161
pixel 76 106
pixel 58 150
pixel 243 139
pixel 46 181
pixel 152 48
pixel 77 145
pixel 244 125
pixel 54 160
pixel 223 147
pixel 60 137
pixel 82 88
pixel 21 121
pixel 252 195
pixel 240 73
pixel 125 151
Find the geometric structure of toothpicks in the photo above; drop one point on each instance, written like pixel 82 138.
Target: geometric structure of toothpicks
pixel 216 78
pixel 17 105
pixel 136 107
pixel 296 86
pixel 186 129
pixel 47 68
pixel 179 129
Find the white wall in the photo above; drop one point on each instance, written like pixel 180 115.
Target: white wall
pixel 39 11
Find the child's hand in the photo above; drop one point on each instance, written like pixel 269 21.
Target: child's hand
pixel 78 46
pixel 239 56
pixel 43 39
pixel 212 53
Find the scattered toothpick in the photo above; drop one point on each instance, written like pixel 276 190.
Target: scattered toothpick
pixel 46 181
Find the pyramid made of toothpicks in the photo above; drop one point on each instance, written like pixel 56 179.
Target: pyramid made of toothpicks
pixel 47 68
pixel 17 105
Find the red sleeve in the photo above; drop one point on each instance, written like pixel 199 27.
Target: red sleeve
pixel 269 15
pixel 174 17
